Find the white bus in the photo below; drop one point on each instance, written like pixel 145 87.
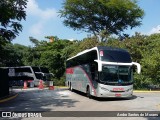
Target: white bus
pixel 101 72
pixel 29 74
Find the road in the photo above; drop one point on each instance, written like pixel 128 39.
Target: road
pixel 65 100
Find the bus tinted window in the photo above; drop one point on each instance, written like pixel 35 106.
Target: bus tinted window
pixel 115 56
pixel 82 59
pixel 27 69
pixel 36 69
pixel 44 70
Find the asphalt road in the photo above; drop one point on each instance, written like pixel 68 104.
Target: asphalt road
pixel 64 100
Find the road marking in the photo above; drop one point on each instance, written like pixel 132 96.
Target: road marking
pixel 9 98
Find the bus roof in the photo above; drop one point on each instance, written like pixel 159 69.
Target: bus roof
pixel 98 48
pixel 35 68
pixel 17 67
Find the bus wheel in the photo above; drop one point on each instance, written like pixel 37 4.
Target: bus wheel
pixel 88 92
pixel 70 87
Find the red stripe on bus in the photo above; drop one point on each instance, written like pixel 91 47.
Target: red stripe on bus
pixel 89 80
pixel 69 71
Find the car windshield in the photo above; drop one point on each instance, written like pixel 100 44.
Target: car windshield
pixel 116 74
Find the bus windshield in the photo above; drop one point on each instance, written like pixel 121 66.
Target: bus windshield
pixel 39 76
pixel 48 77
pixel 116 74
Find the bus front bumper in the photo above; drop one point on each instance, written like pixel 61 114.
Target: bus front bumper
pixel 115 91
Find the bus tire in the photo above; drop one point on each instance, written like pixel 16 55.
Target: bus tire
pixel 88 92
pixel 70 87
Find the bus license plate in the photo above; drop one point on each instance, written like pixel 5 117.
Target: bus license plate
pixel 118 95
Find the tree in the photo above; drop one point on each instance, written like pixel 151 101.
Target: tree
pixel 22 52
pixel 11 13
pixel 34 41
pixel 101 17
pixel 52 38
pixel 11 55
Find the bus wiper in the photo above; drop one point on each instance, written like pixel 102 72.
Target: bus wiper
pixel 105 82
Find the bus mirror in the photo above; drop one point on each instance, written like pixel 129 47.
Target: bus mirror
pixel 138 67
pixel 99 65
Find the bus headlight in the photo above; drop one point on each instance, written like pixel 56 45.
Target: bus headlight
pixel 105 89
pixel 130 89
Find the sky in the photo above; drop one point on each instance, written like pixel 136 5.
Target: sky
pixel 43 20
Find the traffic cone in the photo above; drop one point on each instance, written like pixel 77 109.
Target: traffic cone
pixel 41 86
pixel 51 86
pixel 25 85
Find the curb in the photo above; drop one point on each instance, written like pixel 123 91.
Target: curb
pixel 8 98
pixel 61 86
pixel 146 91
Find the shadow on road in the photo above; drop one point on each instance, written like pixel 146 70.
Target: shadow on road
pixel 106 99
pixel 39 100
pixel 115 99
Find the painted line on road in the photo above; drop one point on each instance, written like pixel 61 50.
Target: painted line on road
pixel 135 91
pixel 9 98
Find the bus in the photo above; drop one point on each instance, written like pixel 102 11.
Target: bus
pixel 102 72
pixel 29 74
pixel 43 74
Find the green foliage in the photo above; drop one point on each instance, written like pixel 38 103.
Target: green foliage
pixel 49 54
pixel 101 17
pixel 53 55
pixel 11 13
pixel 11 55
